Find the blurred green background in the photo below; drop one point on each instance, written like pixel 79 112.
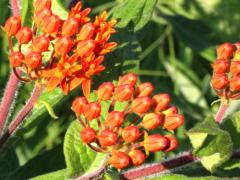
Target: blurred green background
pixel 176 48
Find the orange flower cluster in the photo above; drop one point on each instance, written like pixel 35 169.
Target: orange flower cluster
pixel 57 52
pixel 126 132
pixel 226 71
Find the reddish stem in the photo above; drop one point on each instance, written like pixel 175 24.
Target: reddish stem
pixel 8 98
pixel 15 7
pixel 144 171
pixel 21 115
pixel 221 111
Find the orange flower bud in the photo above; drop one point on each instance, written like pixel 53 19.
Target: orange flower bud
pixel 137 157
pixel 173 121
pixel 130 79
pixel 51 24
pixel 220 66
pixel 86 32
pixel 172 143
pixel 219 81
pixel 88 135
pixel 107 138
pixel 160 102
pixel 123 92
pixel 152 120
pixel 235 67
pixel 41 4
pixel 92 110
pixel 63 45
pixel 141 104
pixel 225 51
pixel 85 48
pixel 41 16
pixel 131 134
pixel 119 160
pixel 155 142
pixel 16 59
pixel 33 60
pixel 114 119
pixel 105 91
pixel 235 84
pixel 41 44
pixel 24 35
pixel 144 89
pixel 237 45
pixel 12 25
pixel 171 110
pixel 70 27
pixel 79 104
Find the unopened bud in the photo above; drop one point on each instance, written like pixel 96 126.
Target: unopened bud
pixel 88 135
pixel 155 142
pixel 235 67
pixel 51 24
pixel 160 102
pixel 235 84
pixel 92 110
pixel 86 32
pixel 130 79
pixel 173 121
pixel 144 89
pixel 24 35
pixel 219 81
pixel 123 92
pixel 220 66
pixel 70 27
pixel 41 4
pixel 114 119
pixel 225 51
pixel 85 48
pixel 12 25
pixel 119 160
pixel 173 144
pixel 41 16
pixel 33 60
pixel 131 134
pixel 170 110
pixel 63 46
pixel 107 138
pixel 152 120
pixel 41 44
pixel 79 104
pixel 141 105
pixel 105 91
pixel 137 157
pixel 16 59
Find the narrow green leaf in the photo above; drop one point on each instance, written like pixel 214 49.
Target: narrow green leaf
pixel 57 175
pixel 49 109
pixel 79 158
pixel 208 139
pixel 27 12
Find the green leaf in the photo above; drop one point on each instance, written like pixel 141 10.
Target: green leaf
pixel 27 12
pixel 131 12
pixel 79 158
pixel 211 144
pixel 111 176
pixel 59 8
pixel 231 164
pixel 57 175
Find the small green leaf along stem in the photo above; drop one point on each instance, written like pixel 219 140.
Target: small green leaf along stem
pixel 21 115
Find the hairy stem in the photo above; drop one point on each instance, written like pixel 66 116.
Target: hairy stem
pixel 21 115
pixel 221 111
pixel 15 7
pixel 8 98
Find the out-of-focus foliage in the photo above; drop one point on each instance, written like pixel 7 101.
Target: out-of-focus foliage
pixel 167 42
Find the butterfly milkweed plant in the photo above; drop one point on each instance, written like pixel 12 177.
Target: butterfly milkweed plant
pixel 119 89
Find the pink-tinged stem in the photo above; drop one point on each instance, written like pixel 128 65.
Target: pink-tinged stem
pixel 21 115
pixel 221 111
pixel 8 98
pixel 15 7
pixel 145 171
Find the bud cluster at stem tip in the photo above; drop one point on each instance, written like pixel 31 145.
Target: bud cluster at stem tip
pixel 226 71
pixel 59 52
pixel 126 132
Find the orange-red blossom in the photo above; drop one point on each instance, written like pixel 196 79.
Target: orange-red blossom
pixel 75 46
